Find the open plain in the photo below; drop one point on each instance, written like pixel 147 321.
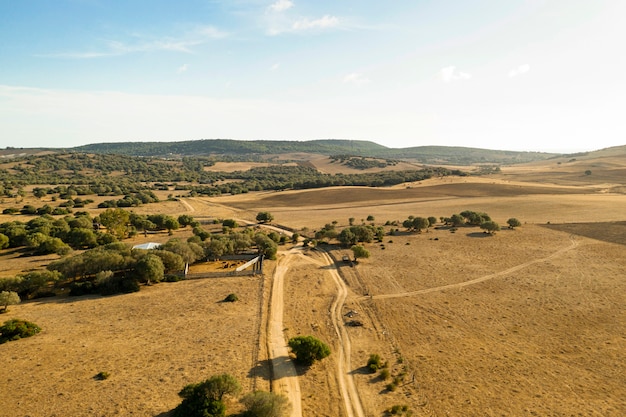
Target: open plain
pixel 529 321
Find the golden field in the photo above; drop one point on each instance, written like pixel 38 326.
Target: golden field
pixel 528 322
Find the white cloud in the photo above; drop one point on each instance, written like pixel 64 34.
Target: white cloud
pixel 184 43
pixel 522 69
pixel 281 6
pixel 182 68
pixel 324 22
pixel 275 66
pixel 356 78
pixel 450 74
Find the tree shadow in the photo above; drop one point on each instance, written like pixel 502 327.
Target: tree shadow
pixel 262 369
pixel 265 368
pixel 165 414
pixel 363 370
pixel 479 234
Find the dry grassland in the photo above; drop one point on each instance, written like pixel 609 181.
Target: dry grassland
pixel 537 331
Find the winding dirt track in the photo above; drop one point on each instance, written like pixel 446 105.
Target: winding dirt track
pixel 572 245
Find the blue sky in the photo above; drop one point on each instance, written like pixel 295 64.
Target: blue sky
pixel 547 75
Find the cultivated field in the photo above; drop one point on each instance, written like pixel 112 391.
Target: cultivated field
pixel 529 322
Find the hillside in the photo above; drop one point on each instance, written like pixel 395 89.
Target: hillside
pixel 256 148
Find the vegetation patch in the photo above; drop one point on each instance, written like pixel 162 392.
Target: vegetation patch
pixel 17 329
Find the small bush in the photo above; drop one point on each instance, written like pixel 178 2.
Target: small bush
pixel 101 376
pixel 392 386
pixel 384 374
pixel 374 363
pixel 231 298
pixel 17 329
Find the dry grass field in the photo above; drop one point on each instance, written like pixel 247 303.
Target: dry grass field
pixel 528 322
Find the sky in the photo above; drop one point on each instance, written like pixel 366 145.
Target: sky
pixel 530 75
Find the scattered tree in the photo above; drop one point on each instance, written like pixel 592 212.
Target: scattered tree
pixel 264 217
pixel 359 252
pixel 490 226
pixel 513 223
pixel 308 349
pixel 8 298
pixel 205 399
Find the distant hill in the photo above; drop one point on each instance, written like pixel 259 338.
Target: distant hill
pixel 243 149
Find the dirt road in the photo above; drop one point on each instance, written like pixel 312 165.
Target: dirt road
pixel 285 380
pixel 284 376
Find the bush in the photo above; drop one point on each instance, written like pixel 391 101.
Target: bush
pixel 231 298
pixel 374 363
pixel 384 374
pixel 265 404
pixel 17 329
pixel 101 376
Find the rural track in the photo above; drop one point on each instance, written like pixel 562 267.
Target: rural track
pixel 573 244
pixel 349 392
pixel 284 378
pixel 284 375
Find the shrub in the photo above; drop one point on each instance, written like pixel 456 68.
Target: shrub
pixel 101 376
pixel 231 298
pixel 17 329
pixel 384 374
pixel 265 404
pixel 374 363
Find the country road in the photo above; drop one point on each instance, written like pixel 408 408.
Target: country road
pixel 284 376
pixel 285 380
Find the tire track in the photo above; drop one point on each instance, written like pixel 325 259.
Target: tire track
pixel 573 244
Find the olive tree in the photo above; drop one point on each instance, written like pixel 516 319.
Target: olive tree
pixel 8 298
pixel 359 252
pixel 513 223
pixel 490 226
pixel 264 217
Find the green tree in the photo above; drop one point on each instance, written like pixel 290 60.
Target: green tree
pixel 265 404
pixel 116 221
pixel 264 217
pixel 359 252
pixel 490 226
pixel 420 223
pixel 8 298
pixel 266 246
pixel 149 268
pixel 205 399
pixel 513 223
pixel 185 220
pixel 308 349
pixel 230 223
